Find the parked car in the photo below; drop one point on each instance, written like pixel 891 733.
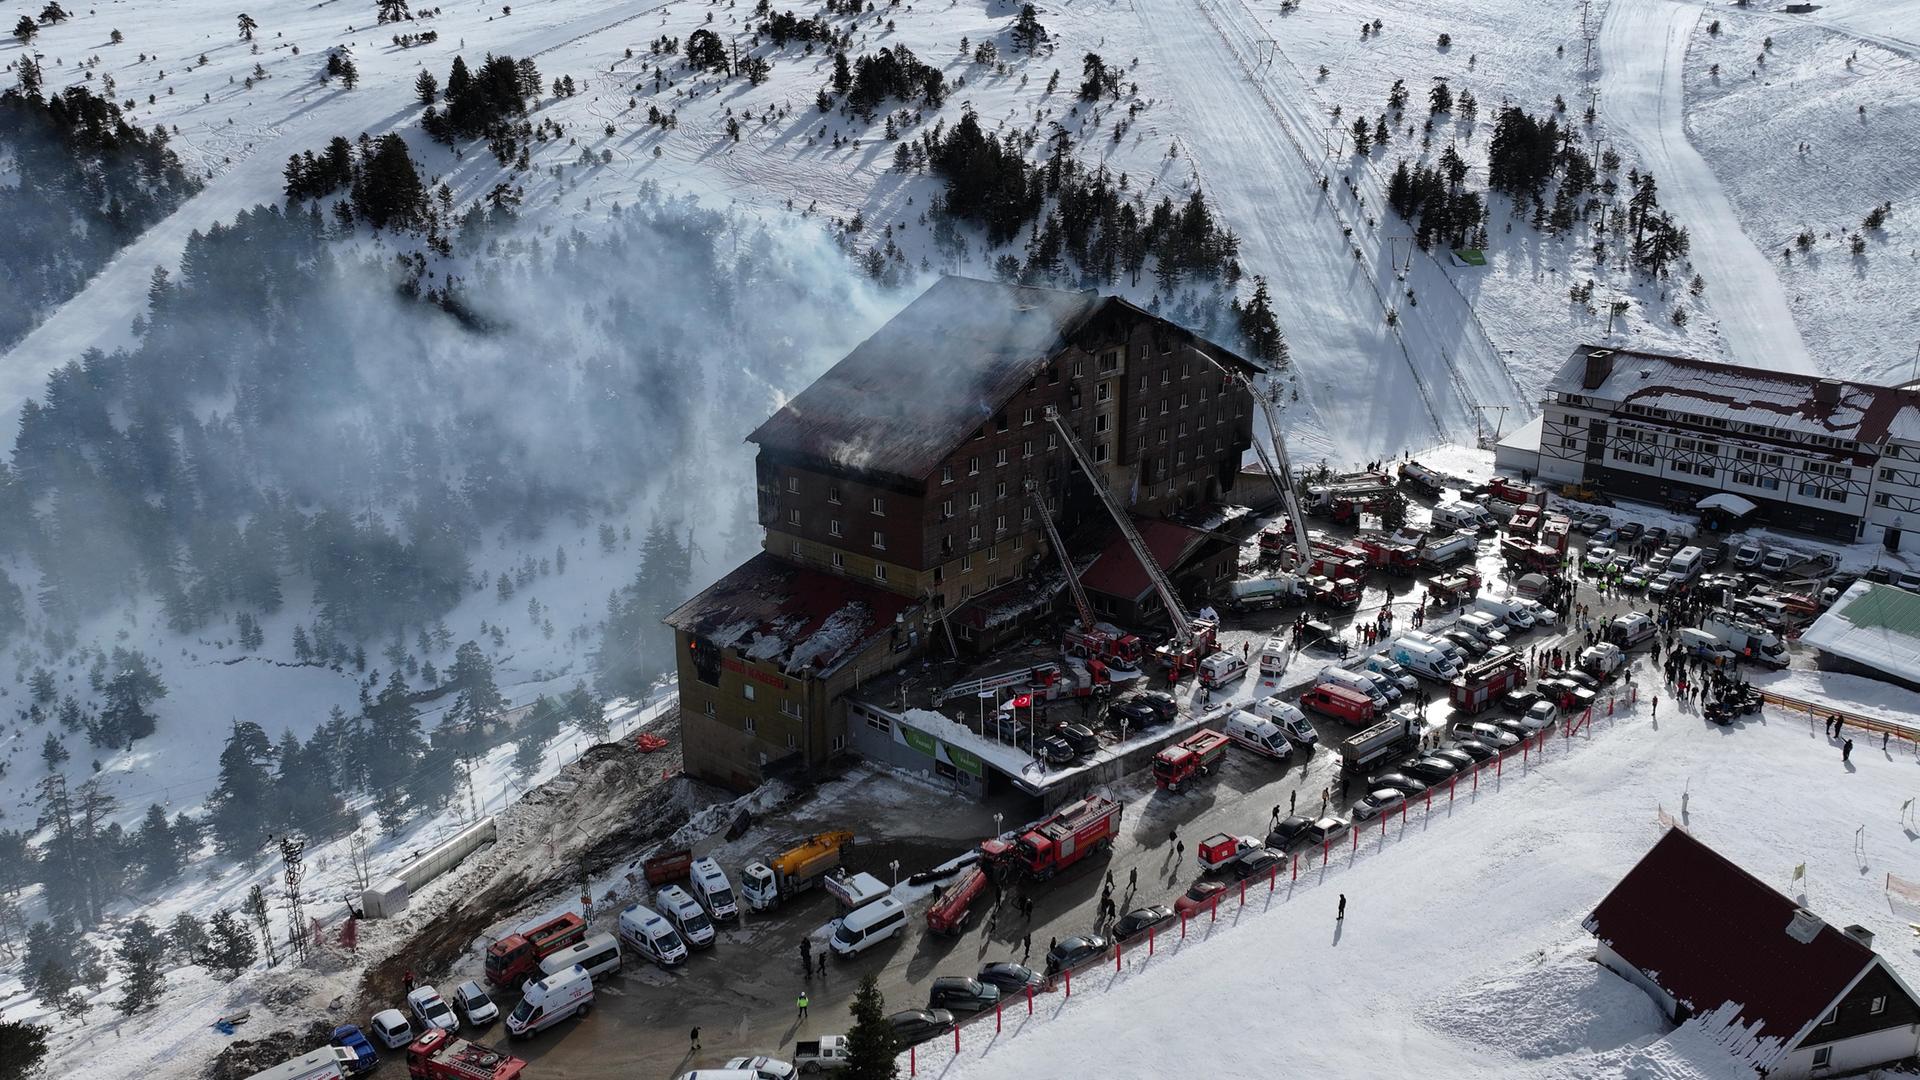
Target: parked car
pixel 1516 727
pixel 1473 748
pixel 1622 564
pixel 1458 758
pixel 1668 583
pixel 1430 770
pixel 1135 711
pixel 1258 863
pixel 1637 577
pixel 1288 832
pixel 1376 803
pixel 1137 920
pixel 1056 750
pixel 430 1009
pixel 1484 732
pixel 1595 557
pixel 918 1025
pixel 1656 534
pixel 1630 531
pixel 366 1059
pixel 1080 737
pixel 957 993
pixel 1541 715
pixel 470 1000
pixel 1198 897
pixel 1010 978
pixel 1519 701
pixel 1469 643
pixel 1325 829
pixel 1593 522
pixel 759 1068
pixel 390 1026
pixel 1606 534
pixel 1401 782
pixel 1073 950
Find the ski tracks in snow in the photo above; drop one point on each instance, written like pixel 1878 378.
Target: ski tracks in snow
pixel 1643 47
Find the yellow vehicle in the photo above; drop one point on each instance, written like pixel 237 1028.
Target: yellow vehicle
pixel 793 871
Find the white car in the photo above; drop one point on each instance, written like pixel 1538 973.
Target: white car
pixel 431 1009
pixel 471 1001
pixel 1539 716
pixel 390 1026
pixel 762 1068
pixel 1596 556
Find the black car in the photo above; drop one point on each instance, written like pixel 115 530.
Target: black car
pixel 1580 678
pixel 1459 759
pixel 1519 701
pixel 1011 978
pixel 1057 750
pixel 1429 770
pixel 1474 646
pixel 1289 832
pixel 1258 863
pixel 1656 535
pixel 1137 920
pixel 961 994
pixel 1073 950
pixel 919 1025
pixel 1080 737
pixel 1475 749
pixel 1134 713
pixel 1162 704
pixel 1513 727
pixel 1630 531
pixel 1400 782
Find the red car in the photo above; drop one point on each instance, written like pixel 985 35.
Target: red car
pixel 1198 897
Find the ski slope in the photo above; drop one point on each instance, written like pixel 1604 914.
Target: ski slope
pixel 1643 48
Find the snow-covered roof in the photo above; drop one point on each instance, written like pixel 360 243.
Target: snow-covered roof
pixel 804 620
pixel 1717 940
pixel 1725 500
pixel 1877 626
pixel 1784 401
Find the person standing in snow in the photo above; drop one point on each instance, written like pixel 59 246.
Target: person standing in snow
pixel 1342 915
pixel 802 1002
pixel 1846 751
pixel 693 1037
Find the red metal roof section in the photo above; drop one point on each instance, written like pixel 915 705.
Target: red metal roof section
pixel 1708 933
pixel 1118 573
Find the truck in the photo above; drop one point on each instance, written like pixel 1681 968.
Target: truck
pixel 1321 497
pixel 668 866
pixel 950 913
pixel 1526 522
pixel 1422 479
pixel 1555 531
pixel 438 1055
pixel 517 956
pixel 828 1052
pixel 1481 684
pixel 1192 756
pixel 1341 592
pixel 1346 508
pixel 1387 554
pixel 326 1063
pixel 1328 560
pixel 1359 752
pixel 1268 591
pixel 1106 643
pixel 1447 550
pixel 855 891
pixel 1457 587
pixel 1059 841
pixel 1750 641
pixel 1516 491
pixel 779 878
pixel 1520 554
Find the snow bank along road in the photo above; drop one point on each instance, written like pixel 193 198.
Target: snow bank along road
pixel 100 314
pixel 1643 44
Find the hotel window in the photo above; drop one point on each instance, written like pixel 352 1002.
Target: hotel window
pixel 1000 523
pixel 711 709
pixel 999 457
pixel 1165 405
pixel 793 484
pixel 833 494
pixel 839 743
pixel 1026 515
pixel 946 474
pixel 796 551
pixel 1100 423
pixel 1878 1006
pixel 879 541
pixel 879 571
pixel 946 545
pixel 1143 381
pixel 1822 1057
pixel 1100 452
pixel 973 534
pixel 793 517
pixel 973 500
pixel 1140 444
pixel 1143 414
pixel 1162 433
pixel 940 572
pixel 1026 449
pixel 1026 417
pixel 973 466
pixel 1103 392
pixel 1109 359
pixel 748 722
pixel 878 507
pixel 839 561
pixel 791 743
pixel 966 562
pixel 788 708
pixel 946 509
pixel 746 690
pixel 1079 368
pixel 1183 401
pixel 993 553
pixel 1166 376
pixel 1186 369
pixel 1053 440
pixel 833 527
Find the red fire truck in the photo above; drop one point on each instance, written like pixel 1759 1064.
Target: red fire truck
pixel 1525 522
pixel 1061 840
pixel 1104 641
pixel 519 953
pixel 1482 684
pixel 1385 553
pixel 949 914
pixel 437 1055
pixel 1455 588
pixel 1515 491
pixel 1343 592
pixel 1192 756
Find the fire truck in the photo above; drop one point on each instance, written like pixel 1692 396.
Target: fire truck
pixel 1334 592
pixel 1455 588
pixel 1422 479
pixel 1553 533
pixel 1350 487
pixel 1195 755
pixel 1384 553
pixel 1059 841
pixel 1519 553
pixel 1332 560
pixel 437 1055
pixel 950 913
pixel 1515 491
pixel 1106 642
pixel 1526 522
pixel 1480 685
pixel 519 953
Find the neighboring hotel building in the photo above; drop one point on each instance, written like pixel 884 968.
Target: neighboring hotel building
pixel 894 496
pixel 1822 456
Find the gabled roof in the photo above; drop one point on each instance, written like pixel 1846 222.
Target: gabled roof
pixel 1118 573
pixel 807 621
pixel 1785 400
pixel 1716 938
pixel 903 399
pixel 1874 625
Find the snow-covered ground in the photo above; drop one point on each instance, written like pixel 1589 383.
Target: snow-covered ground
pixel 1461 952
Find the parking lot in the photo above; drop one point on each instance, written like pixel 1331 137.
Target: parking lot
pixel 741 994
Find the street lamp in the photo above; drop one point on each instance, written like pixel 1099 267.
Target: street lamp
pixel 895 867
pixel 996 824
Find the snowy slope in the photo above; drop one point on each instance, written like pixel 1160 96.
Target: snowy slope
pixel 1461 952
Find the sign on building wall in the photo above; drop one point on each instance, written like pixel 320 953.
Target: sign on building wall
pixel 939 751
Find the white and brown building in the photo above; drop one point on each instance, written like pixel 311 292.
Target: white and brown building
pixel 1828 457
pixel 905 471
pixel 1780 989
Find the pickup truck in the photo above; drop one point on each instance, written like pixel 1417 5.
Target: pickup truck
pixel 826 1052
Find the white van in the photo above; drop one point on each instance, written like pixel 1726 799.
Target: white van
pixel 1290 719
pixel 392 1028
pixel 1383 665
pixel 686 914
pixel 1687 562
pixel 1263 737
pixel 1507 611
pixel 1382 683
pixel 326 1063
pixel 1703 643
pixel 1446 648
pixel 1424 660
pixel 860 930
pixel 1222 668
pixel 1471 517
pixel 1631 629
pixel 550 1000
pixel 713 890
pixel 1273 659
pixel 1356 682
pixel 599 955
pixel 648 933
pixel 1488 626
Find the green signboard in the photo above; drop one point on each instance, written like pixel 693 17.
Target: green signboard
pixel 919 740
pixel 965 762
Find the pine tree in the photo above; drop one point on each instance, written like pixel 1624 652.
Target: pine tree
pixel 43 686
pixel 23 1047
pixel 25 30
pixel 426 87
pixel 141 954
pixel 232 950
pixel 156 848
pixel 247 26
pixel 349 74
pixel 187 937
pixel 53 751
pixel 126 717
pixel 242 802
pixel 302 649
pixel 258 910
pixel 53 13
pixel 871 1045
pixel 1262 329
pixel 1028 34
pixel 1362 136
pixel 1439 99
